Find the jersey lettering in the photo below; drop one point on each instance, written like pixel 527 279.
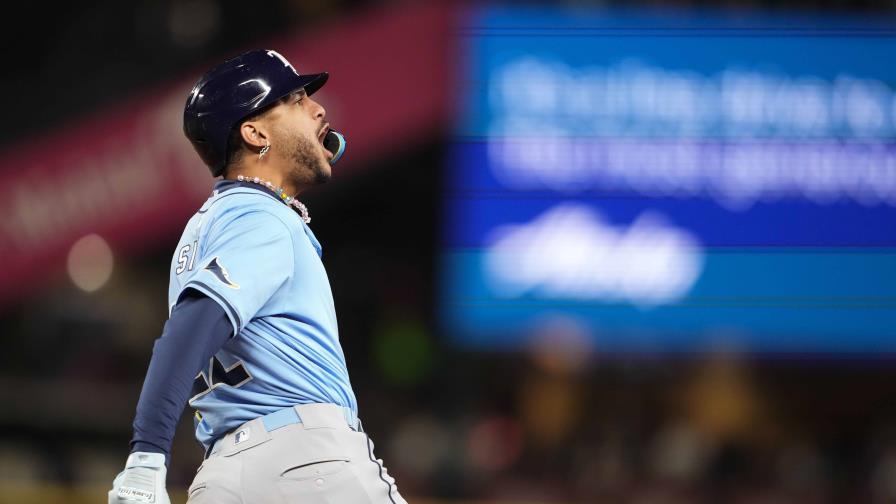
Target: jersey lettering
pixel 217 375
pixel 183 262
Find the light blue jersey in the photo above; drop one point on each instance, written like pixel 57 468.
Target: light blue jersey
pixel 253 255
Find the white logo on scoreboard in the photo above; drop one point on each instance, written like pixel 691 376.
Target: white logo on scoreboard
pixel 571 252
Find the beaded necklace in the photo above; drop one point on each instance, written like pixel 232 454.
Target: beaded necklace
pixel 289 200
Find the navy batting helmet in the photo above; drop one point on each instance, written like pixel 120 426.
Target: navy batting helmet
pixel 234 90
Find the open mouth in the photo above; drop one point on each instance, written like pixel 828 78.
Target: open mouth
pixel 322 136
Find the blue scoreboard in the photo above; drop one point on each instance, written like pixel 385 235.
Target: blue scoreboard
pixel 673 181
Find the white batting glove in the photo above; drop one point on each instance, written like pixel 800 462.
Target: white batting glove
pixel 143 480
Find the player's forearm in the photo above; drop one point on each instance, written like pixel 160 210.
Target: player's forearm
pixel 196 330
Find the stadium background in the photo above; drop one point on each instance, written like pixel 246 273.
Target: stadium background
pixel 476 388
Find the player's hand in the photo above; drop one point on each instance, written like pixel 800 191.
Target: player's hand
pixel 143 480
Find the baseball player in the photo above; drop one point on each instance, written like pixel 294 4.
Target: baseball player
pixel 251 341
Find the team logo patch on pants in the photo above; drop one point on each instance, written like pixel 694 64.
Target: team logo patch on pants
pixel 241 436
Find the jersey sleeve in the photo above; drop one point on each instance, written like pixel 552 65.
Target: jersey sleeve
pixel 243 260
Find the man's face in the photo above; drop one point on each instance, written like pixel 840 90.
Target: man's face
pixel 299 125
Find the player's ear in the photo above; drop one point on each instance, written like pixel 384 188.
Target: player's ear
pixel 254 134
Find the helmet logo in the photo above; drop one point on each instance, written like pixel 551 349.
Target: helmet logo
pixel 275 54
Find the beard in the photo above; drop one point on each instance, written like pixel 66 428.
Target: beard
pixel 309 166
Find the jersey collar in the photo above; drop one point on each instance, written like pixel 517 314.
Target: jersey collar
pixel 226 185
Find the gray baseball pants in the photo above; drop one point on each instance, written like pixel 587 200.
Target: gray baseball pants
pixel 319 459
